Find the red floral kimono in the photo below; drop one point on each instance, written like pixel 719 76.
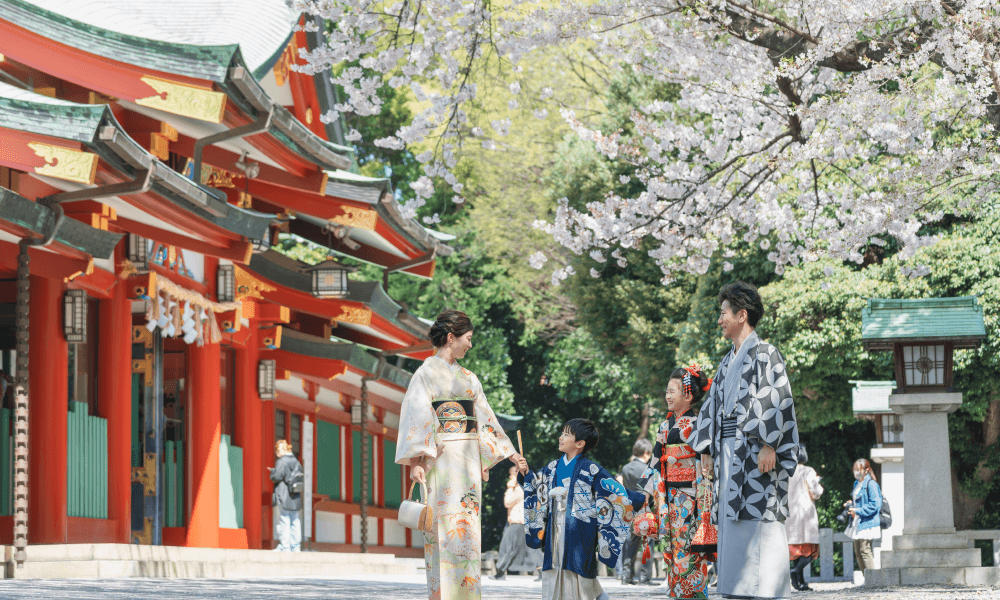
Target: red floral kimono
pixel 674 486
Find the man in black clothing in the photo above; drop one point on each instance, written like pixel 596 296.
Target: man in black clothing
pixel 287 477
pixel 632 478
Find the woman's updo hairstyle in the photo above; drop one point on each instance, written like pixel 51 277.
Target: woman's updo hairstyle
pixel 454 322
pixel 693 380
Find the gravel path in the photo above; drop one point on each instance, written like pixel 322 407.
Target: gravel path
pixel 513 588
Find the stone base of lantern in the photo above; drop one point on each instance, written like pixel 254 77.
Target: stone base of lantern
pixel 929 551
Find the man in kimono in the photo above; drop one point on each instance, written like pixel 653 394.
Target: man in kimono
pixel 574 509
pixel 748 438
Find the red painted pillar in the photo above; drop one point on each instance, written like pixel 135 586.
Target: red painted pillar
pixel 249 430
pixel 206 426
pixel 48 401
pixel 115 389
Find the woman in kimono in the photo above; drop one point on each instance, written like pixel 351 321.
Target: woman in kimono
pixel 450 438
pixel 676 479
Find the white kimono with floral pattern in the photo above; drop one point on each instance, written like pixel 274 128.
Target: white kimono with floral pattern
pixel 454 478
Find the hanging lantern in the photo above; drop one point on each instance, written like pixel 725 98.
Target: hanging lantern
pixel 75 316
pixel 226 283
pixel 329 279
pixel 265 379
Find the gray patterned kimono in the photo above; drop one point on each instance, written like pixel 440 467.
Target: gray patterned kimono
pixel 765 414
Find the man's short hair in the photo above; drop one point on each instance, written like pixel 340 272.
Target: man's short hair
pixel 743 296
pixel 583 430
pixel 642 447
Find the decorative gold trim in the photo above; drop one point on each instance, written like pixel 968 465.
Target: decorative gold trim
pixel 355 315
pixel 361 218
pixel 248 286
pixel 65 163
pixel 167 130
pixel 159 146
pixel 216 177
pixel 183 99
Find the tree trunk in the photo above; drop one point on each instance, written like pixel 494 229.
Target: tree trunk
pixel 967 505
pixel 644 418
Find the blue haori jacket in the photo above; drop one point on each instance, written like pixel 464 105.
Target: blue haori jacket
pixel 598 515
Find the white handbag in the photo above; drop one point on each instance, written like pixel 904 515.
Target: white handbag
pixel 416 514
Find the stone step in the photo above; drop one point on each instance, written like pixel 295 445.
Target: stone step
pixel 929 540
pixel 932 557
pixel 125 560
pixel 895 576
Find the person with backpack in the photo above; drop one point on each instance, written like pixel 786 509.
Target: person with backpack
pixel 865 511
pixel 288 479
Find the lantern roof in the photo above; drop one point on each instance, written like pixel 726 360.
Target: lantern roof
pixel 886 322
pixel 91 132
pixel 329 263
pixel 871 397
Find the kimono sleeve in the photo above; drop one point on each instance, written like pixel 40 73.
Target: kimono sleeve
pixel 417 423
pixel 771 413
pixel 704 429
pixel 616 508
pixel 536 504
pixel 494 445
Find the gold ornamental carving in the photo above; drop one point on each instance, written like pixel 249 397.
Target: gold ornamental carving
pixel 216 177
pixel 183 99
pixel 355 315
pixel 65 163
pixel 361 218
pixel 145 535
pixel 248 286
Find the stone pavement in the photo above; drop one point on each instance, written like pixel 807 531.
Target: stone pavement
pixel 405 588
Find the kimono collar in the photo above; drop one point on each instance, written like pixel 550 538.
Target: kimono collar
pixel 568 462
pixel 734 372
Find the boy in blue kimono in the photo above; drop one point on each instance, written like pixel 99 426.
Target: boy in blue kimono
pixel 575 509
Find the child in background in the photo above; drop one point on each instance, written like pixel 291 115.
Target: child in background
pixel 574 508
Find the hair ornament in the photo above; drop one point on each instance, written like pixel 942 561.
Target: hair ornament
pixel 690 372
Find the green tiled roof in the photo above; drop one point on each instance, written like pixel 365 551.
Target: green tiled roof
pixel 26 111
pixel 289 272
pixel 39 219
pixel 885 322
pixel 297 342
pixel 217 63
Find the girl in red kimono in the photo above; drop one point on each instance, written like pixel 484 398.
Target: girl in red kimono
pixel 679 516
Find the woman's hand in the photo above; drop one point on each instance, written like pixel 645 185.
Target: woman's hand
pixel 707 466
pixel 766 459
pixel 418 474
pixel 486 474
pixel 852 512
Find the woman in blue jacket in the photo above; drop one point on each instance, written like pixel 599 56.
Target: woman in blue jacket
pixel 864 508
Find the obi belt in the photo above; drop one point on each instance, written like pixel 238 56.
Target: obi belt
pixel 455 415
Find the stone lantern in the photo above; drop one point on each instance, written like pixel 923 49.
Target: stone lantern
pixel 922 335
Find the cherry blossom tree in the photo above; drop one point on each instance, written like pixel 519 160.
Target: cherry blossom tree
pixel 810 128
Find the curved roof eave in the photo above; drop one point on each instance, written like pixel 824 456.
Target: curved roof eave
pixel 223 65
pixel 289 272
pixel 96 127
pixel 377 192
pixel 38 218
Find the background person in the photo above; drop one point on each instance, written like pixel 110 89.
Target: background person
pixel 633 475
pixel 802 524
pixel 863 508
pixel 286 470
pixel 514 552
